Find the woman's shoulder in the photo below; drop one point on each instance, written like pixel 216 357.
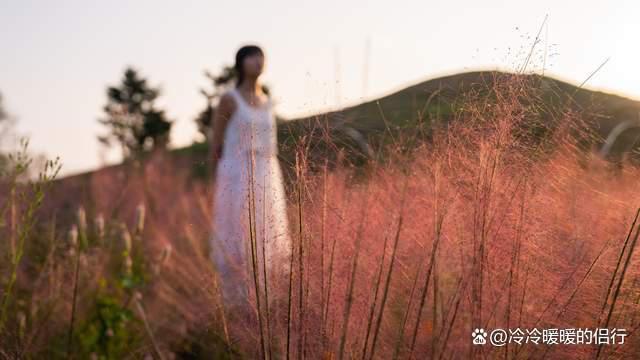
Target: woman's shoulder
pixel 229 97
pixel 227 102
pixel 229 93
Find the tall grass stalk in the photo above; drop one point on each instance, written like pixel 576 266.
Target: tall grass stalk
pixel 22 226
pixel 254 265
pixel 619 261
pixel 370 318
pixel 301 318
pixel 513 266
pixel 407 312
pixel 76 274
pixel 439 216
pixel 354 267
pixel 325 311
pixel 323 221
pixel 264 267
pixel 222 315
pixel 289 303
pixel 137 298
pixel 460 289
pixel 620 281
pixel 387 282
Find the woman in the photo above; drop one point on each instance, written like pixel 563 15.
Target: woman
pixel 249 212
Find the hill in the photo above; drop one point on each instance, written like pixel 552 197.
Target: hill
pixel 357 132
pixel 435 101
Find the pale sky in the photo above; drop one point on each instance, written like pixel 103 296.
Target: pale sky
pixel 58 57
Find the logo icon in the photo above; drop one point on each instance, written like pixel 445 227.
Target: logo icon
pixel 479 336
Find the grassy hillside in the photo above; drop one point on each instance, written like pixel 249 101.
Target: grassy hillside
pixel 415 110
pixel 363 130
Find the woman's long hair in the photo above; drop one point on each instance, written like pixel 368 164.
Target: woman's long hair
pixel 243 52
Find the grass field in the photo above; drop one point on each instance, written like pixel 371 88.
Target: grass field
pixel 489 211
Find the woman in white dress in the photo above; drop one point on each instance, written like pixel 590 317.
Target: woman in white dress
pixel 249 199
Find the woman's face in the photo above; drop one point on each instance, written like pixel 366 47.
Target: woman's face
pixel 253 65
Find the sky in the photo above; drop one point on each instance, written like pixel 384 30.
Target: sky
pixel 58 57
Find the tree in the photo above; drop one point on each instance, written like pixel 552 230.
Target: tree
pixel 219 83
pixel 134 121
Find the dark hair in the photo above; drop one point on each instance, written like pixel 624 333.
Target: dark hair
pixel 243 52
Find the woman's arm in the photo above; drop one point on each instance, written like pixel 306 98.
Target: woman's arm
pixel 221 116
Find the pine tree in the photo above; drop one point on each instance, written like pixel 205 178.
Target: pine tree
pixel 133 120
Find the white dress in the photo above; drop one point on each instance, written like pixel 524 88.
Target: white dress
pixel 249 152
